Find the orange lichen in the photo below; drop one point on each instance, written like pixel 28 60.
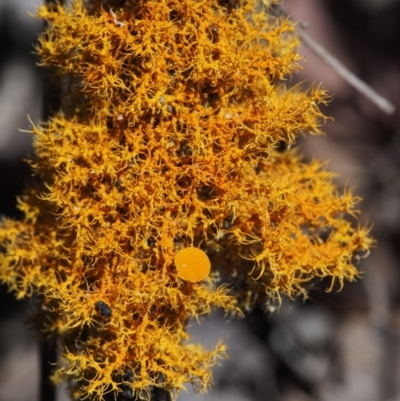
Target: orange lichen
pixel 175 130
pixel 192 264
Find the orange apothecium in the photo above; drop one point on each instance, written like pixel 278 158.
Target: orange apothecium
pixel 192 264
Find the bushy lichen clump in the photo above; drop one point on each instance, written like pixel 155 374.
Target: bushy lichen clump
pixel 170 136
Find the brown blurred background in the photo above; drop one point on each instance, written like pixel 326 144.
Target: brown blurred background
pixel 338 346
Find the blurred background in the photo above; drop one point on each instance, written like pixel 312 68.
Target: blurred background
pixel 335 346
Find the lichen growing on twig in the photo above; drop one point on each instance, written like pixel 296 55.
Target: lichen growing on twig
pixel 173 116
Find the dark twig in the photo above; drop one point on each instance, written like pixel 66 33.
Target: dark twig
pixel 48 356
pixel 48 348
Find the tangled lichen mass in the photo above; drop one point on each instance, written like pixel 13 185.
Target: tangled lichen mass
pixel 173 115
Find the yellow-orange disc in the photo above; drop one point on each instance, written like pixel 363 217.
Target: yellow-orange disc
pixel 192 264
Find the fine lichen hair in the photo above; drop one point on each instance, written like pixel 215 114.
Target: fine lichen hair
pixel 175 131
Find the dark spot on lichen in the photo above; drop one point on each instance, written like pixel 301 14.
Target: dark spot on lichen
pixel 103 309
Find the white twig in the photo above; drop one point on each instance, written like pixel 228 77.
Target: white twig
pixel 344 72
